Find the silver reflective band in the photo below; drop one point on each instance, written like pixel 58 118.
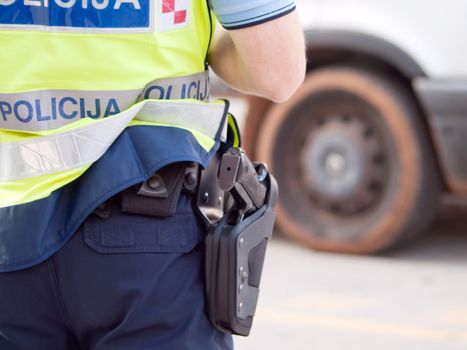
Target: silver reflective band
pixel 52 109
pixel 85 145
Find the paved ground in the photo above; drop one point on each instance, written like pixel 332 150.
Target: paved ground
pixel 415 298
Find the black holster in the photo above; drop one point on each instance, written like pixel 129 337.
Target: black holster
pixel 235 251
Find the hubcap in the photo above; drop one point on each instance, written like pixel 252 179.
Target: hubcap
pixel 335 165
pixel 342 164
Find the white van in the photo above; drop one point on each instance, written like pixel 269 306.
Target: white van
pixel 378 130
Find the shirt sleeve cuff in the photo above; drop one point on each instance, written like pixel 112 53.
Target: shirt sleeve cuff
pixel 253 16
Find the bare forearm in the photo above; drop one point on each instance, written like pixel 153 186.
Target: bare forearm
pixel 228 64
pixel 266 60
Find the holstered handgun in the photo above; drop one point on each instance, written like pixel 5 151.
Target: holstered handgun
pixel 236 245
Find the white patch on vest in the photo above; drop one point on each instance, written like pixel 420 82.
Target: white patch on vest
pixel 173 14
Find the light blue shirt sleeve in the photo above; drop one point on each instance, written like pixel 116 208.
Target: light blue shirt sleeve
pixel 236 14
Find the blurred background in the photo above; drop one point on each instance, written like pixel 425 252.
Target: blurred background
pixel 371 157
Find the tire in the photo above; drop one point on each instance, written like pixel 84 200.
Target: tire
pixel 353 160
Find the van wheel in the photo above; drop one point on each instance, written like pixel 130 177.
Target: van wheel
pixel 353 160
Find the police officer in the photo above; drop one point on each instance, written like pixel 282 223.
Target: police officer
pixel 103 96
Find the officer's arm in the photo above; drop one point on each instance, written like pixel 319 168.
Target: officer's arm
pixel 266 59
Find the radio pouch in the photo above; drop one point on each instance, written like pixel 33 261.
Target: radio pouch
pixel 159 195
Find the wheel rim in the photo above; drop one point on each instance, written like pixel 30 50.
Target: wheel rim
pixel 342 162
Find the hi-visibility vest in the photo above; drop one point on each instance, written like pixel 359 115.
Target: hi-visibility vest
pixel 95 96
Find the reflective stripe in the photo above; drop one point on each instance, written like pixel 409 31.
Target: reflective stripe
pixel 52 109
pixel 86 144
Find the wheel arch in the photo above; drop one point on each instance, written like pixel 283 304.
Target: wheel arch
pixel 326 47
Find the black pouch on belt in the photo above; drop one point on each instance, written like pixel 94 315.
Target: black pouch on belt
pixel 159 195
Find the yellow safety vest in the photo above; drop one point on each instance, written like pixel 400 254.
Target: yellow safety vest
pixel 95 95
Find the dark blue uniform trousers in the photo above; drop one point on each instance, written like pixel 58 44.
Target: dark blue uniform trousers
pixel 128 282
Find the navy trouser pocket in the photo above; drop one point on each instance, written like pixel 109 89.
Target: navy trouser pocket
pixel 128 233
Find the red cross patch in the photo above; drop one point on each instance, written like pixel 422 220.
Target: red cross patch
pixel 173 14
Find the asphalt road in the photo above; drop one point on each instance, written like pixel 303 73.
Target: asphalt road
pixel 412 298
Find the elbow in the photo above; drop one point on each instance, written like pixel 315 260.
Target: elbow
pixel 284 89
pixel 282 84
